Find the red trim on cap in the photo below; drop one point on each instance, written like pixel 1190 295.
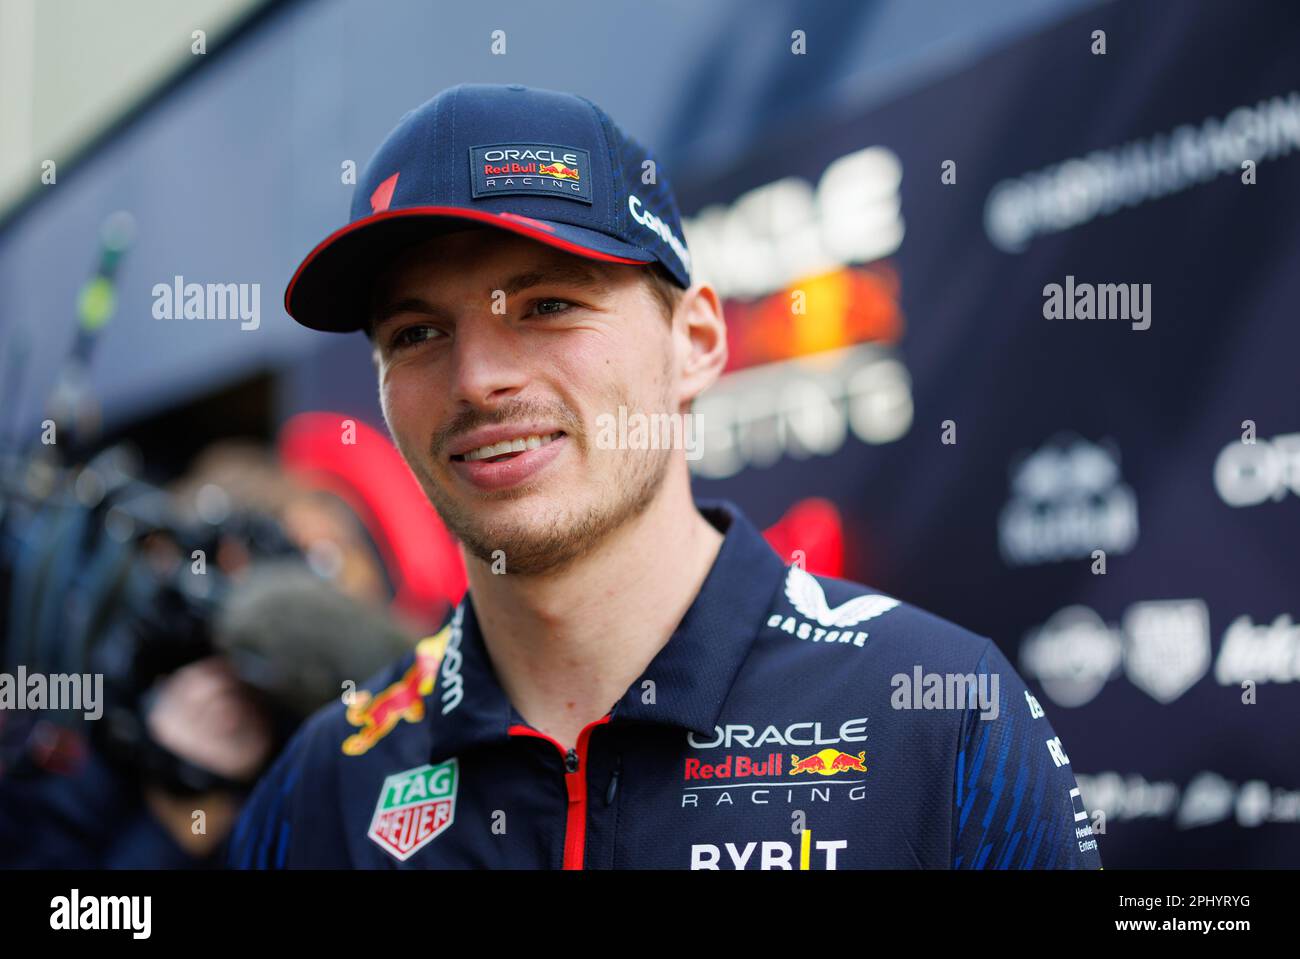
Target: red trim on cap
pixel 506 221
pixel 528 219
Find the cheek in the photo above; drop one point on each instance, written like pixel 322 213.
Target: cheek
pixel 609 370
pixel 584 369
pixel 405 397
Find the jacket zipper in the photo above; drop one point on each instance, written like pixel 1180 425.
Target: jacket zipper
pixel 613 781
pixel 575 781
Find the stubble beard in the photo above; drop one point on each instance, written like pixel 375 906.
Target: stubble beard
pixel 550 543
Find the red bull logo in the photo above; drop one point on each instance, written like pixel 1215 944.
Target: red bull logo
pixel 559 170
pixel 734 767
pixel 828 762
pixel 376 715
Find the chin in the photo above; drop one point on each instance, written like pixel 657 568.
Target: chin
pixel 526 547
pixel 507 520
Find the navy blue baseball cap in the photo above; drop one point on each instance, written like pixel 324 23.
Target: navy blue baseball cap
pixel 546 165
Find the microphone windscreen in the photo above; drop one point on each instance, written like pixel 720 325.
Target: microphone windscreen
pixel 293 636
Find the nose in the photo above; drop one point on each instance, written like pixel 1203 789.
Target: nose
pixel 487 361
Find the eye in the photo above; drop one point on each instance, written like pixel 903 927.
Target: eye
pixel 411 335
pixel 546 307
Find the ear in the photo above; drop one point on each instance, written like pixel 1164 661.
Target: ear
pixel 701 334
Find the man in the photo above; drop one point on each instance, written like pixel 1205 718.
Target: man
pixel 631 681
pixel 67 803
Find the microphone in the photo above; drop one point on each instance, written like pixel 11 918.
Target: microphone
pixel 294 637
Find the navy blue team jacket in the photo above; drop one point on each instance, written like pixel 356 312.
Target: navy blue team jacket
pixel 791 722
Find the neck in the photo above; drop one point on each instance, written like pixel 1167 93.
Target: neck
pixel 566 646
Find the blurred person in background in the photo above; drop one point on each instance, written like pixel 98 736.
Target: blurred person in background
pixel 160 783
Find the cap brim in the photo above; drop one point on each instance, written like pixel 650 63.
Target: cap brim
pixel 330 290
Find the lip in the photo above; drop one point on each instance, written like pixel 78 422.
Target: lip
pixel 507 473
pixel 495 434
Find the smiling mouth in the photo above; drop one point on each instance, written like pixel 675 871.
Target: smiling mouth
pixel 507 449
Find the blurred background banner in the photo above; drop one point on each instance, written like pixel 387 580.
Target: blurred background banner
pixel 891 216
pixel 1070 435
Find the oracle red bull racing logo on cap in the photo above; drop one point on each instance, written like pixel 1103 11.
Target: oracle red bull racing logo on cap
pixel 415 807
pixel 544 169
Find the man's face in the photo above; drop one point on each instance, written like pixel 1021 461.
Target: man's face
pixel 482 337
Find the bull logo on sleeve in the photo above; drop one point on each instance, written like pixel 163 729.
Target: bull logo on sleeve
pixel 376 715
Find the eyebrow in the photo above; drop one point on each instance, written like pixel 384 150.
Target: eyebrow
pixel 568 274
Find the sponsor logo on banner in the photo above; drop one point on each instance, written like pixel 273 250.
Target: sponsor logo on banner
pixel 1207 799
pixel 1167 646
pixel 1163 648
pixel 1248 474
pixel 802 408
pixel 789 228
pixel 1260 653
pixel 1129 796
pixel 812 316
pixel 1072 655
pixel 415 807
pixel 1067 499
pixel 1210 798
pixel 1105 181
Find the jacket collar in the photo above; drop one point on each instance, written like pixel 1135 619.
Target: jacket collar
pixel 696 669
pixel 691 675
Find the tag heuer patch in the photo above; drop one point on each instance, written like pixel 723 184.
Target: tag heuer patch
pixel 414 808
pixel 542 169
